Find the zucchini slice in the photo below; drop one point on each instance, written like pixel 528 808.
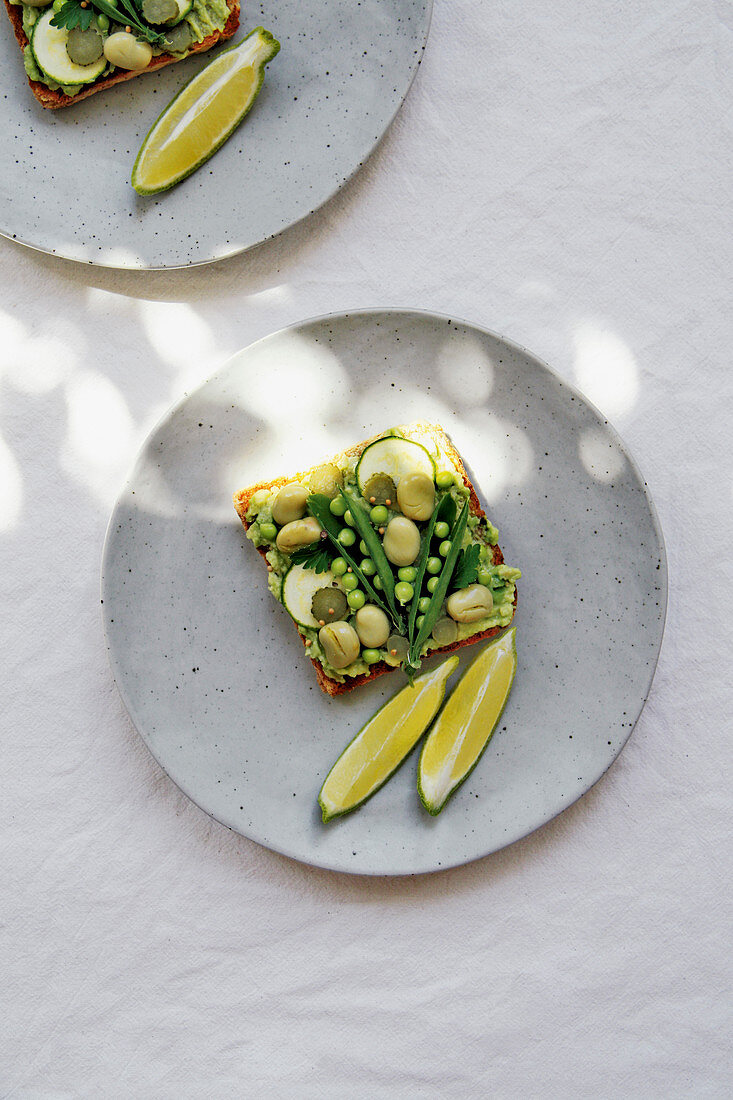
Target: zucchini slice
pixel 394 456
pixel 184 7
pixel 298 588
pixel 48 46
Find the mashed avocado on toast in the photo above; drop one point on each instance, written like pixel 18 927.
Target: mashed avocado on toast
pixel 381 556
pixel 75 48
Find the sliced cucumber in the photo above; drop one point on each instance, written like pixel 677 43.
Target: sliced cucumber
pixel 184 7
pixel 48 45
pixel 393 456
pixel 298 588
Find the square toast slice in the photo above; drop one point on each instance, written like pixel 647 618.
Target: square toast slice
pixel 249 501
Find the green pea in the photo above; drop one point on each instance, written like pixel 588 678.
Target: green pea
pixel 483 576
pixel 102 21
pixel 441 530
pixel 364 548
pixel 338 567
pixel 371 656
pixel 433 583
pixel 348 518
pixel 377 584
pixel 433 565
pixel 423 604
pixel 268 531
pixel 337 507
pixel 419 621
pixel 379 514
pixel 444 548
pixel 407 573
pixel 350 582
pixel 368 567
pixel 356 599
pixel 346 536
pixel 444 479
pixel 58 4
pixel 404 591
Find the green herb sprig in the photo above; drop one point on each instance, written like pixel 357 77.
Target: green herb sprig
pixel 466 570
pixel 318 556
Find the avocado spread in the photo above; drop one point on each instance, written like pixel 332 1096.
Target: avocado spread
pixel 463 548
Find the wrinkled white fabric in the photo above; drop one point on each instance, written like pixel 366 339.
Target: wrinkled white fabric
pixel 559 173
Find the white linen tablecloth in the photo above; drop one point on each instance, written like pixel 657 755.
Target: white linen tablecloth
pixel 561 174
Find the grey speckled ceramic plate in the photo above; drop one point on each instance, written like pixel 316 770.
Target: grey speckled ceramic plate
pixel 213 672
pixel 328 97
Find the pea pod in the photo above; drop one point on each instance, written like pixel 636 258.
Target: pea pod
pixel 319 507
pixel 363 525
pixel 436 602
pixel 444 511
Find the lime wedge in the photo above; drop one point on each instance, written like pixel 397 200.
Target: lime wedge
pixel 203 115
pixel 383 743
pixel 466 723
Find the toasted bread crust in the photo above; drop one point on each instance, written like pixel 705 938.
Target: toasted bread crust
pixel 55 99
pixel 331 687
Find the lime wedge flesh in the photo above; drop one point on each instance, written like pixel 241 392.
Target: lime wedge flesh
pixel 203 115
pixel 466 723
pixel 383 743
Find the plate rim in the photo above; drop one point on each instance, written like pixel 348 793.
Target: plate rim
pixel 332 317
pixel 363 157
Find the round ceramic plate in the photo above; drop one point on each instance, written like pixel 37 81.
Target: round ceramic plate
pixel 328 97
pixel 213 672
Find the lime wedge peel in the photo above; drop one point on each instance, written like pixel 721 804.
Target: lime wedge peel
pixel 466 723
pixel 382 744
pixel 203 115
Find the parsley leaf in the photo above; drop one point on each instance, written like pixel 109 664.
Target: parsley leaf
pixel 466 569
pixel 71 15
pixel 317 556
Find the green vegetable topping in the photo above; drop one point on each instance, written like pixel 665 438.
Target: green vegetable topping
pixel 315 556
pixel 444 479
pixel 346 537
pixel 442 530
pixel 356 599
pixel 466 567
pixel 159 11
pixel 337 507
pixel 329 605
pixel 404 591
pixel 379 515
pixel 441 588
pixel 380 489
pixel 338 567
pixel 433 565
pixel 72 14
